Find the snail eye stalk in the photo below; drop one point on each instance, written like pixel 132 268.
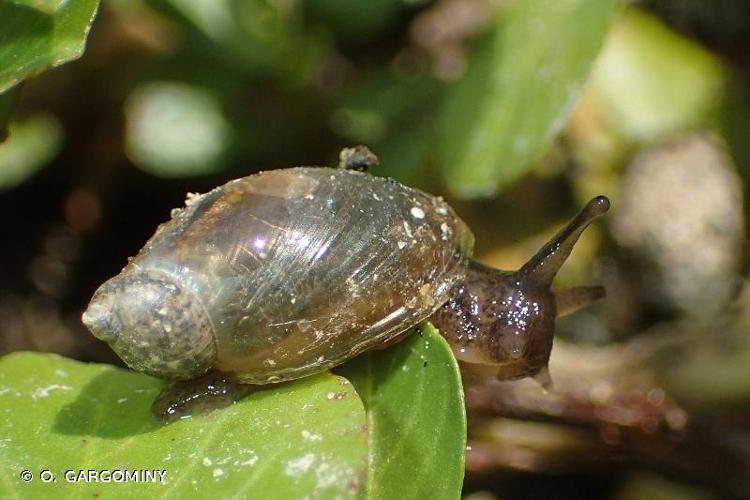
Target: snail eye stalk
pixel 541 269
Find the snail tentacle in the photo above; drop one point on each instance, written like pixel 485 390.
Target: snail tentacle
pixel 569 300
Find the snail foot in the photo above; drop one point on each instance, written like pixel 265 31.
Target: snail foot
pixel 185 398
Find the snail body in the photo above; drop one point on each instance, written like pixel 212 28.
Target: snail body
pixel 289 272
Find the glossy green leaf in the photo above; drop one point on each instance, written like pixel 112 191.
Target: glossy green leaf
pixel 306 438
pixel 415 416
pixel 39 34
pixel 521 84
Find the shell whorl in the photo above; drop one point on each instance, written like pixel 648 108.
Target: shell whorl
pixel 156 325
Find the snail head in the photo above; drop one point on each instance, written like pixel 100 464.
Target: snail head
pixel 504 320
pixel 155 325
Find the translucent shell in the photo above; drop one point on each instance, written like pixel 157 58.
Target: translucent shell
pixel 300 269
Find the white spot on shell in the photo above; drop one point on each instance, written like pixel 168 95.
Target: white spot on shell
pixel 445 230
pixel 401 245
pixel 417 213
pixel 191 198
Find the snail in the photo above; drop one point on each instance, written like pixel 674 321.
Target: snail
pixel 286 273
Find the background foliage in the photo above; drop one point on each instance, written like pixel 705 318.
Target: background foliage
pixel 517 111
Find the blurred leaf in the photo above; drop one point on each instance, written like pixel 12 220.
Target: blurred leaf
pixel 359 21
pixel 394 116
pixel 406 155
pixel 653 82
pixel 359 125
pixel 376 105
pixel 519 88
pixel 31 144
pixel 175 129
pixel 302 438
pixel 255 36
pixel 39 34
pixel 7 99
pixel 415 417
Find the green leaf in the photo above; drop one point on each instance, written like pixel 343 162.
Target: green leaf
pixel 39 34
pixel 302 438
pixel 520 86
pixel 305 438
pixel 415 416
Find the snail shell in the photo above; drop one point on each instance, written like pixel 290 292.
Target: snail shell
pixel 282 274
